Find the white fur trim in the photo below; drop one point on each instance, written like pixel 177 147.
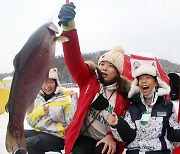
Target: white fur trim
pixel 146 69
pixel 163 87
pixel 134 88
pixel 91 64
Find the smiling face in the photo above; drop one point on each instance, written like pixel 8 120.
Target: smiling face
pixel 49 86
pixel 108 71
pixel 146 84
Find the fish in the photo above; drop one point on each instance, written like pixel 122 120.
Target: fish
pixel 31 66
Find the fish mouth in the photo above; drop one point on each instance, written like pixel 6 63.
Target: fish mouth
pixel 53 28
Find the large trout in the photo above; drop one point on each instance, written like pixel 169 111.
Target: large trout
pixel 32 64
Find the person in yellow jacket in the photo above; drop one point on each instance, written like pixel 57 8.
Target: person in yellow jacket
pixel 48 116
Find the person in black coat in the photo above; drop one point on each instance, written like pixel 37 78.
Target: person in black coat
pixel 150 124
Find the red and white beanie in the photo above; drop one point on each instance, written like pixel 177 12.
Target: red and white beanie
pixel 163 87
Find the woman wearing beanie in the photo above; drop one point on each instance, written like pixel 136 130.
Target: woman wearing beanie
pixel 48 116
pixel 102 91
pixel 150 124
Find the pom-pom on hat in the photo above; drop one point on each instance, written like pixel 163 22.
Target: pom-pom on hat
pixel 53 74
pixel 115 57
pixel 162 89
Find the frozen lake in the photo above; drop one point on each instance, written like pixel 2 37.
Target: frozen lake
pixel 3 126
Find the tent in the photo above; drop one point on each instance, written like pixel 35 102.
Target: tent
pixel 5 85
pixel 131 62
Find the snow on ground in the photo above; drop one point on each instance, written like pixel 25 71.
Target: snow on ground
pixel 3 126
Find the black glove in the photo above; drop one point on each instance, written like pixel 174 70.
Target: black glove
pixel 66 14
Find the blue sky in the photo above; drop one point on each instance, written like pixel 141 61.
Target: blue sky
pixel 150 26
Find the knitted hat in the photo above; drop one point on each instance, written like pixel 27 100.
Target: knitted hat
pixel 53 74
pixel 115 57
pixel 163 87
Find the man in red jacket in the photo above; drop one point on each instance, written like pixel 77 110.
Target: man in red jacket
pixel 103 90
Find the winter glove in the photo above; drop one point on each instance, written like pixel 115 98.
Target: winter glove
pixel 66 16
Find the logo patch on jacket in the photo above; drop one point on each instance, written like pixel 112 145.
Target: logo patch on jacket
pixel 161 114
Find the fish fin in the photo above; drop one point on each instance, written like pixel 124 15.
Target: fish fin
pixel 7 107
pixel 62 39
pixel 14 144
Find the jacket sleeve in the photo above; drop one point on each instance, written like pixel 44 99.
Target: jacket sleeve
pixel 73 58
pixel 125 130
pixel 71 97
pixel 67 115
pixel 58 118
pixel 55 123
pixel 54 127
pixel 174 127
pixel 34 116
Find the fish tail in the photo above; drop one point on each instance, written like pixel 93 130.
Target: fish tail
pixel 14 144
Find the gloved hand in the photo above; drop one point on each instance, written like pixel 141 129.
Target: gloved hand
pixel 66 16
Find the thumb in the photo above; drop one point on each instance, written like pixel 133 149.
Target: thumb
pixel 97 144
pixel 114 114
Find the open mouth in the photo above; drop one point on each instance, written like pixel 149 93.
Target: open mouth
pixel 145 87
pixel 103 74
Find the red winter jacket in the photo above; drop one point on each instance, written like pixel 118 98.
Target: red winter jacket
pixel 88 85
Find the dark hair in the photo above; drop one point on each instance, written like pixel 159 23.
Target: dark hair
pixel 56 84
pixel 100 77
pixel 123 86
pixel 155 77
